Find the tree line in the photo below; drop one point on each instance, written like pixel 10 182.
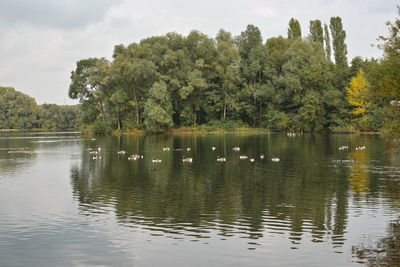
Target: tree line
pixel 173 80
pixel 20 111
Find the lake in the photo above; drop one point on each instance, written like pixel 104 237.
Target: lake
pixel 317 206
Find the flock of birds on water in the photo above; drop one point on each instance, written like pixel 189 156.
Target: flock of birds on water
pixel 95 153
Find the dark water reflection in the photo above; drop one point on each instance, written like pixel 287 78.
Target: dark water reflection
pixel 309 208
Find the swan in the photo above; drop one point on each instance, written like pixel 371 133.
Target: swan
pixel 221 159
pixel 274 159
pixel 243 157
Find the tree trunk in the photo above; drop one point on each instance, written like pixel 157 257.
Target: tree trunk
pixel 119 120
pixel 136 107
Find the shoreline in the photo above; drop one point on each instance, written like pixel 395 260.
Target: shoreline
pixel 194 131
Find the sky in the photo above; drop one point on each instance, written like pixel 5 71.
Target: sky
pixel 41 40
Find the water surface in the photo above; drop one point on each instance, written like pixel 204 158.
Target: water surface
pixel 59 207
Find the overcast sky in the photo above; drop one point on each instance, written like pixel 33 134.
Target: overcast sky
pixel 41 40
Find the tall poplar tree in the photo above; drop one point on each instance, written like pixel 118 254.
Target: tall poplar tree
pixel 294 30
pixel 327 39
pixel 338 41
pixel 316 32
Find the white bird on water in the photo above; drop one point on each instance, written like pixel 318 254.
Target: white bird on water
pixel 219 159
pixel 154 160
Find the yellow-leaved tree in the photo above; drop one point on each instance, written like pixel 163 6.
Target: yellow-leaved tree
pixel 358 94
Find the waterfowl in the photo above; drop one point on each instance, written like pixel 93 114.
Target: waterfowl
pixel 347 160
pixel 360 148
pixel 97 157
pixel 274 159
pixel 213 148
pixel 221 159
pixel 236 148
pixel 262 156
pixel 135 157
pixel 251 160
pixel 187 159
pixel 343 147
pixel 188 148
pixel 154 160
pixel 243 157
pixel 121 152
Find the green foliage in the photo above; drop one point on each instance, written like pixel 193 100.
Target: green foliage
pixel 17 110
pixel 294 30
pixel 100 128
pixel 158 108
pixel 316 32
pixel 327 41
pixel 174 80
pixel 338 41
pixel 56 117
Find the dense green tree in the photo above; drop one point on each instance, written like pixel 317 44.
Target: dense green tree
pixel 158 108
pixel 57 117
pixel 17 110
pixel 294 30
pixel 88 85
pixel 228 71
pixel 133 72
pixel 384 78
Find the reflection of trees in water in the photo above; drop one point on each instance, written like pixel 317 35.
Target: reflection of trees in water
pixel 302 194
pixel 359 173
pixel 385 252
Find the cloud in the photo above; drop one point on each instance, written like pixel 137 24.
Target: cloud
pixel 53 13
